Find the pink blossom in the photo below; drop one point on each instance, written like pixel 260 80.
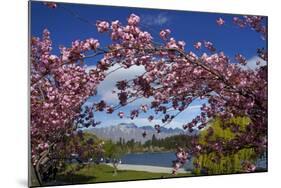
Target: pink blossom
pixel 220 21
pixel 145 36
pixel 65 54
pixel 128 37
pixel 53 58
pixel 144 108
pixel 115 24
pixel 192 56
pixel 212 59
pixel 197 45
pixel 198 147
pixel 239 22
pixel 165 33
pixel 249 166
pixel 133 20
pixel 181 44
pixel 209 45
pixel 102 26
pixel 172 43
pixel 94 44
pixel 121 114
pixel 51 4
pixel 240 59
pixel 109 109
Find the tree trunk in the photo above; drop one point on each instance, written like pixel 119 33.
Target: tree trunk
pixel 115 169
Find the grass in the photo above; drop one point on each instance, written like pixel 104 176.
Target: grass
pixel 105 173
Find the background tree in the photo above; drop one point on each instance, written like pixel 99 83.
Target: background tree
pixel 226 161
pixel 114 152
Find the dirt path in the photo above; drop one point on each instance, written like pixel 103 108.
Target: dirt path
pixel 147 168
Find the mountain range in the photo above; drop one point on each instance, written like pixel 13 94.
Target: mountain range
pixel 129 131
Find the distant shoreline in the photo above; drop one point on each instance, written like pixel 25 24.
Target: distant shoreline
pixel 142 152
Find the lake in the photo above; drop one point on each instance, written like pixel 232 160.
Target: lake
pixel 164 159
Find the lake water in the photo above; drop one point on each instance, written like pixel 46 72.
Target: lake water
pixel 165 159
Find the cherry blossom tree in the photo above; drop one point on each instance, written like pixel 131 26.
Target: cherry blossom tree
pixel 59 87
pixel 173 79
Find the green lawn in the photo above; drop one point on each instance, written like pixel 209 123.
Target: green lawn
pixel 104 173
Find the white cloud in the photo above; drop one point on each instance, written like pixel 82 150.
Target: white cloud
pixel 184 117
pixel 194 107
pixel 88 68
pixel 252 63
pixel 158 20
pixel 108 84
pixel 109 96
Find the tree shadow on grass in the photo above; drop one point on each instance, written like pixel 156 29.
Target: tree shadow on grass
pixel 74 179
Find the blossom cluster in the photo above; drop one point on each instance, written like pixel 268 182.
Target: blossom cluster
pixel 59 87
pixel 257 23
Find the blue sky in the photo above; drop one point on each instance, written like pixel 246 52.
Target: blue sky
pixel 188 26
